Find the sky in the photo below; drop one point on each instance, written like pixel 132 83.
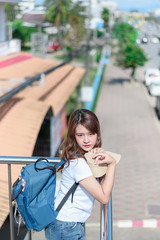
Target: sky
pixel 140 5
pixel 127 5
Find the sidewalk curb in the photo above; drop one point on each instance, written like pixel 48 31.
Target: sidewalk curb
pixel 145 223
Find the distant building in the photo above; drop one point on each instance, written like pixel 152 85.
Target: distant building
pixel 157 12
pixel 35 16
pixel 110 5
pixel 97 7
pixel 27 5
pixel 3 18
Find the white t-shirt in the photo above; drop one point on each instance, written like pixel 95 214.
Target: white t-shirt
pixel 80 209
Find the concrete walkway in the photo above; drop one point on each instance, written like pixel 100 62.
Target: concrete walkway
pixel 130 127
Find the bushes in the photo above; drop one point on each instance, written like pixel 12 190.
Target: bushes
pixel 98 56
pixel 22 32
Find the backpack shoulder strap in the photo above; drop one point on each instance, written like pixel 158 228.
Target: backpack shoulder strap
pixel 70 191
pixel 60 163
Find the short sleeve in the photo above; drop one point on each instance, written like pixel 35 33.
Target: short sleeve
pixel 80 169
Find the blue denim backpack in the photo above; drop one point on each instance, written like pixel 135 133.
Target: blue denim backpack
pixel 34 194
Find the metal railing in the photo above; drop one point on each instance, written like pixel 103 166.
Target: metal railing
pixel 106 214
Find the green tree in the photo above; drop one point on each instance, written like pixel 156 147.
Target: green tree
pixel 18 31
pixel 124 32
pixel 105 16
pixel 131 56
pixel 128 54
pixel 11 10
pixel 76 31
pixel 57 12
pixel 22 32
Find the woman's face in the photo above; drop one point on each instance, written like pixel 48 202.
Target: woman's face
pixel 85 139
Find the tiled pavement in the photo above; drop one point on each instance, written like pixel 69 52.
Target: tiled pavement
pixel 130 127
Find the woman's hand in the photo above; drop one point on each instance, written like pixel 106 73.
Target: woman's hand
pixel 101 191
pixel 102 157
pixel 97 150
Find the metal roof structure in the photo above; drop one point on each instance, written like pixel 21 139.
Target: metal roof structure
pixel 22 115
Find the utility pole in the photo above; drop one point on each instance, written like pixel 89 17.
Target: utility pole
pixel 87 63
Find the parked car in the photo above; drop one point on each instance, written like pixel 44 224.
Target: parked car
pixel 152 75
pixel 158 106
pixel 53 46
pixel 154 40
pixel 154 89
pixel 144 39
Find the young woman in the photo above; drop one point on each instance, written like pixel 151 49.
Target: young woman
pixel 83 136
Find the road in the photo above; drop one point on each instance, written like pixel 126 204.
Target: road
pixel 151 49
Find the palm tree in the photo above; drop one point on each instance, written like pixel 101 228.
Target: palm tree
pixel 105 16
pixel 57 12
pixel 77 30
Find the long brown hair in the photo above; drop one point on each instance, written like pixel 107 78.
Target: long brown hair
pixel 69 148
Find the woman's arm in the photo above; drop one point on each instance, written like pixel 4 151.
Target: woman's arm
pixel 102 191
